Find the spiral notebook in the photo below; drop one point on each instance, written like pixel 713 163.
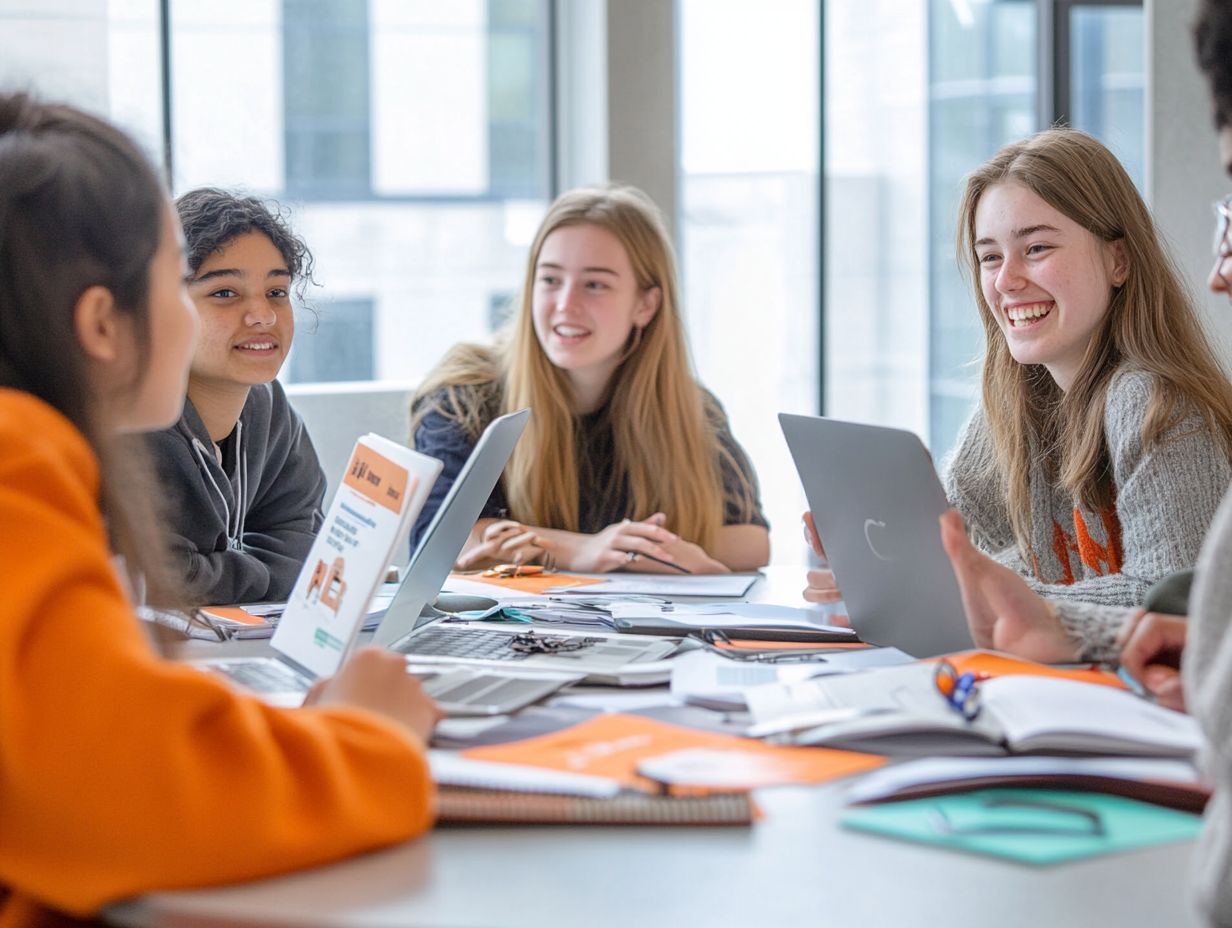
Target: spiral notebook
pixel 459 804
pixel 479 791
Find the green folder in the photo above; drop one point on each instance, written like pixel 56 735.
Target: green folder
pixel 1033 826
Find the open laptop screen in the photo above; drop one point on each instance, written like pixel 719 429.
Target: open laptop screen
pixel 451 526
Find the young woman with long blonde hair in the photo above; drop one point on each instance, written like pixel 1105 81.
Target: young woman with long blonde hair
pixel 627 458
pixel 1097 456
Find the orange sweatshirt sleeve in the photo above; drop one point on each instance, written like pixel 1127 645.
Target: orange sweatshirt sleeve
pixel 121 773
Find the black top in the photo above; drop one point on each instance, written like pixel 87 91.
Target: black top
pixel 602 499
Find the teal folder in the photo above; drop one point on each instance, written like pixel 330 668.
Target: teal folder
pixel 1033 826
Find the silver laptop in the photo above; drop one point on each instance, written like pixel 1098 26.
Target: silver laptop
pixel 457 690
pixel 424 625
pixel 876 499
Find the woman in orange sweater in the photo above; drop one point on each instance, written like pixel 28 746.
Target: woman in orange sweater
pixel 121 773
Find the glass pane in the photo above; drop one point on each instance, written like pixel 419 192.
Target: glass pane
pixel 415 164
pixel 1107 80
pixel 748 225
pixel 101 55
pixel 916 96
pixel 876 267
pixel 982 95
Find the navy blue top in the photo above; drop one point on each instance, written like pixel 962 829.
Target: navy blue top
pixel 602 499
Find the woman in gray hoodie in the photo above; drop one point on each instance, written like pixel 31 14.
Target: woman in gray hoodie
pixel 244 484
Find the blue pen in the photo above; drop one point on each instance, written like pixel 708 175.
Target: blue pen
pixel 1134 686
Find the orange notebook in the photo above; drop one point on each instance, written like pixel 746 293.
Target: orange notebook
pixel 624 747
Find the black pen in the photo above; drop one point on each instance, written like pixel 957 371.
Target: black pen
pixel 634 555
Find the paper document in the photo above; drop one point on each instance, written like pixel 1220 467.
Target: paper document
pixel 708 679
pixel 450 768
pixel 728 615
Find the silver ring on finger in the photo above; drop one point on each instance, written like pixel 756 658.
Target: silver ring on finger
pixel 630 556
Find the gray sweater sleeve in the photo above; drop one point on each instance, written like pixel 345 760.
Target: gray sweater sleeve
pixel 1208 695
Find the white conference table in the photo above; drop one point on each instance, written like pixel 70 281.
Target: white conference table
pixel 794 867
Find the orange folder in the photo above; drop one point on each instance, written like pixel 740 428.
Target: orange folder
pixel 539 583
pixel 995 664
pixel 236 615
pixel 614 745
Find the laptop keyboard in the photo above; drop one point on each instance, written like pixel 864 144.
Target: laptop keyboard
pixel 261 676
pixel 477 644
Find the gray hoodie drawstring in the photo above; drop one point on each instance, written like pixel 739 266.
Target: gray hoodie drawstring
pixel 235 521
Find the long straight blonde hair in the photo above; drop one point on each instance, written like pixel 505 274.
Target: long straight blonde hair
pixel 1150 324
pixel 664 425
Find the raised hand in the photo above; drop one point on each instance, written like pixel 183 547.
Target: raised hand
pixel 1003 612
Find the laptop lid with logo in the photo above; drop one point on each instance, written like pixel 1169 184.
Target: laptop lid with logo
pixel 876 499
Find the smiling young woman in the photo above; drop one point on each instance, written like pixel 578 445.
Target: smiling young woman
pixel 1099 452
pixel 626 454
pixel 244 484
pixel 1183 662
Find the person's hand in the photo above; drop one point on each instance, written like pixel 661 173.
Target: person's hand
pixel 620 545
pixel 504 541
pixel 1151 646
pixel 376 680
pixel 688 555
pixel 822 587
pixel 1003 612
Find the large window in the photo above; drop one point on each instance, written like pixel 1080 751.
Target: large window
pixel 411 141
pixel 748 225
pixel 915 98
pixel 982 80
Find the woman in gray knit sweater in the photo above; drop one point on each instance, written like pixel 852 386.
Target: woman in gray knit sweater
pixel 1006 614
pixel 1097 456
pixel 1100 449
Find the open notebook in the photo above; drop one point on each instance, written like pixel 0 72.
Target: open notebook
pixel 899 710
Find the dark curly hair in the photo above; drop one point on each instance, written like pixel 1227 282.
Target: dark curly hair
pixel 212 217
pixel 1213 43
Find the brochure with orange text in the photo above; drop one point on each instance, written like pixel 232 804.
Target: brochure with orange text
pixel 646 754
